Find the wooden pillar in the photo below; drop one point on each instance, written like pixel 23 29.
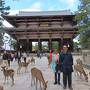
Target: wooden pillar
pixel 71 44
pixel 18 45
pixel 27 45
pixel 39 44
pixel 50 44
pixel 30 45
pixel 60 45
pixel 61 42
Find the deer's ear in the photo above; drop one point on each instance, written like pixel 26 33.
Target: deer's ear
pixel 3 66
pixel 89 73
pixel 46 82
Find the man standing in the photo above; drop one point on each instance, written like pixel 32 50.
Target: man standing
pixel 67 69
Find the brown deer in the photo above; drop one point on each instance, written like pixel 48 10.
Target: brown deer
pixel 23 64
pixel 79 69
pixel 38 76
pixel 8 73
pixel 1 87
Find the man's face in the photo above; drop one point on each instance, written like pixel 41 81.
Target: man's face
pixel 65 49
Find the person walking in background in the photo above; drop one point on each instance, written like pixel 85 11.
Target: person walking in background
pixel 5 58
pixel 19 57
pixel 24 56
pixel 67 69
pixel 9 58
pixel 54 64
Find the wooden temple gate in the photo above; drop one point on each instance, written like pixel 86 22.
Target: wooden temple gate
pixel 42 26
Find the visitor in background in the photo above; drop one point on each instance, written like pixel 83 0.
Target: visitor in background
pixel 67 69
pixel 24 56
pixel 9 58
pixel 39 54
pixel 49 57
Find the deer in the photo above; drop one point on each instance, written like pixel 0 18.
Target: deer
pixel 8 73
pixel 38 76
pixel 32 60
pixel 79 68
pixel 23 64
pixel 1 87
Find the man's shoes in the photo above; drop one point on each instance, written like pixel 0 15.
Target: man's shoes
pixel 55 83
pixel 71 88
pixel 64 87
pixel 58 83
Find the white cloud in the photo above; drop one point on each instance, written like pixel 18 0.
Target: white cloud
pixel 69 3
pixel 37 6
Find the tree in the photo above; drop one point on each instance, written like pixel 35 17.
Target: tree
pixel 13 44
pixel 3 10
pixel 83 22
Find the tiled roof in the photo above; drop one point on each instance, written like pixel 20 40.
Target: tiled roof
pixel 44 13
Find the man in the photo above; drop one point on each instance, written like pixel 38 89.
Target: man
pixel 54 64
pixel 19 57
pixel 67 69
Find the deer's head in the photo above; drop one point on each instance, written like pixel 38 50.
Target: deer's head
pixel 3 68
pixel 45 86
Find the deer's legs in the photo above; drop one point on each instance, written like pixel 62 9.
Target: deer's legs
pixel 12 80
pixel 18 70
pixel 31 80
pixel 40 84
pixel 36 83
pixel 26 69
pixel 5 80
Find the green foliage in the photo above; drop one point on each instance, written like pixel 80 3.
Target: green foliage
pixel 13 44
pixel 1 33
pixel 55 45
pixel 83 21
pixel 3 10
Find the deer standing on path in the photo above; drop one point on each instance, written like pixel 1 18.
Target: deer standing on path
pixel 79 68
pixel 8 73
pixel 23 64
pixel 38 76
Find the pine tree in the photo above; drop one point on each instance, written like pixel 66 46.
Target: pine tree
pixel 3 10
pixel 83 22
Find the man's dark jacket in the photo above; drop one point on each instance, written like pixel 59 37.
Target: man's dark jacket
pixel 66 62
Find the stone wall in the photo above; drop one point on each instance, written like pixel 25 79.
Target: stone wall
pixel 86 56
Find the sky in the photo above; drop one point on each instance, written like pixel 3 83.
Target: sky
pixel 41 5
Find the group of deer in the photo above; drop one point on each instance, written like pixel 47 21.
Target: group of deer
pixel 7 72
pixel 25 64
pixel 79 69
